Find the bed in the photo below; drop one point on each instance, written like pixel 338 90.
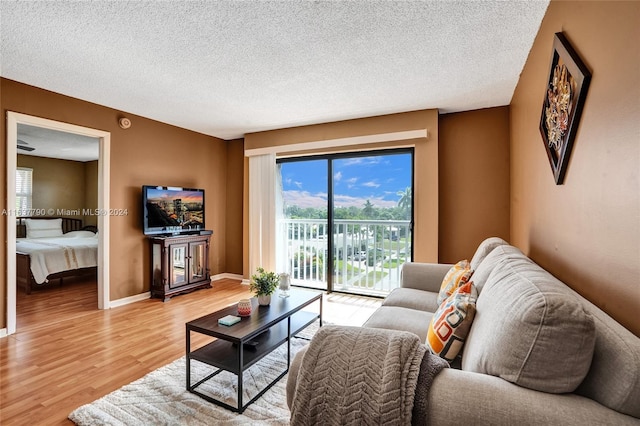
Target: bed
pixel 53 248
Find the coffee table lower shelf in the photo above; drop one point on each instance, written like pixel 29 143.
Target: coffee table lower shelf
pixel 236 357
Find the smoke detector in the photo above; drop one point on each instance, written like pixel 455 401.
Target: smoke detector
pixel 124 123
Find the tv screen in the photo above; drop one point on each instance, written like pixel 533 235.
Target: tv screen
pixel 172 210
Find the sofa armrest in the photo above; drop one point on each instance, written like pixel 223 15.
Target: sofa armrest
pixel 459 397
pixel 423 276
pixel 292 376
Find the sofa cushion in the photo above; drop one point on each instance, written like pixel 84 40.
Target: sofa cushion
pixel 530 329
pixel 614 377
pixel 412 299
pixel 484 249
pixel 401 319
pixel 423 276
pixel 463 398
pixel 450 324
pixel 498 254
pixel 457 276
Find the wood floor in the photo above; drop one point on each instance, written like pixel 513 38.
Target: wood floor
pixel 66 353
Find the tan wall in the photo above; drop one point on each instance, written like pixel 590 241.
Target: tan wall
pixel 91 191
pixel 474 180
pixel 587 231
pixel 235 202
pixel 57 184
pixel 148 153
pixel 425 158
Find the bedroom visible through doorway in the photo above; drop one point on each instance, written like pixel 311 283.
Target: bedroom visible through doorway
pixel 56 182
pixel 70 180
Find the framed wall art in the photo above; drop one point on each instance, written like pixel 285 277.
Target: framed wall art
pixel 563 101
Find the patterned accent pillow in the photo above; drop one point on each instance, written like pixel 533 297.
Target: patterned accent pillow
pixel 457 275
pixel 451 322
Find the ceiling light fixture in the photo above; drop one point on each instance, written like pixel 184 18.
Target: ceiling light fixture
pixel 23 146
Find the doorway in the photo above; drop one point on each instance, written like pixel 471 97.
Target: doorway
pixel 345 220
pixel 104 138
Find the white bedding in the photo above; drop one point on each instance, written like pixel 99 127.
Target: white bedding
pixel 51 255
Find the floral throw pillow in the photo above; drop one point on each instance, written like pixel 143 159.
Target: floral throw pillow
pixel 457 275
pixel 451 322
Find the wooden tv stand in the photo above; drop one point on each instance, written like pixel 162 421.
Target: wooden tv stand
pixel 179 264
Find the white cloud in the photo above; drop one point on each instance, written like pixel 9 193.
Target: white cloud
pixel 371 184
pixel 362 161
pixel 351 182
pixel 289 181
pixel 337 176
pixel 304 199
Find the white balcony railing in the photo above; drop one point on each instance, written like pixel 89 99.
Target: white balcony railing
pixel 367 257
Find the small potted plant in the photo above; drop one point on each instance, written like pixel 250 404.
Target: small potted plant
pixel 263 285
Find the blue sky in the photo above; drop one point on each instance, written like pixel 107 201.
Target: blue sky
pixel 356 180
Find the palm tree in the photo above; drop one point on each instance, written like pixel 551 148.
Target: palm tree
pixel 368 210
pixel 405 200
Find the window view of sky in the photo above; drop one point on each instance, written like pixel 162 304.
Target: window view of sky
pixel 358 179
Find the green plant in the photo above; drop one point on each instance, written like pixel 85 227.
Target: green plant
pixel 263 283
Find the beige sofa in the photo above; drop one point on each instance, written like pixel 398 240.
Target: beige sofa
pixel 537 352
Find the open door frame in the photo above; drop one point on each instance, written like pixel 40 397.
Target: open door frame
pixel 13 119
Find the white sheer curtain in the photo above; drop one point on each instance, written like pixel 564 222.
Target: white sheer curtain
pixel 262 212
pixel 282 250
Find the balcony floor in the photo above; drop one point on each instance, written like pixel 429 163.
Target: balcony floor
pixel 348 309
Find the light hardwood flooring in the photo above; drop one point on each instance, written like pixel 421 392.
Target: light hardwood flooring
pixel 66 353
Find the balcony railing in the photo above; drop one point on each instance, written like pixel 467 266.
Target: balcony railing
pixel 367 256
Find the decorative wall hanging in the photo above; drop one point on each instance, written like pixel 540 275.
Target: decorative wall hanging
pixel 563 101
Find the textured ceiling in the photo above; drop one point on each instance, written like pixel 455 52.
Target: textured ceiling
pixel 56 144
pixel 227 68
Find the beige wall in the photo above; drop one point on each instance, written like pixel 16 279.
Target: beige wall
pixel 148 153
pixel 57 184
pixel 425 157
pixel 587 231
pixel 91 191
pixel 63 184
pixel 474 180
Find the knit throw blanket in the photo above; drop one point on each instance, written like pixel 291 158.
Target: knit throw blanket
pixel 354 375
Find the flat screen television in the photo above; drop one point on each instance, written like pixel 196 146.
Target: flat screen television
pixel 172 210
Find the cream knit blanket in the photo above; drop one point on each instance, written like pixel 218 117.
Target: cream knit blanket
pixel 354 375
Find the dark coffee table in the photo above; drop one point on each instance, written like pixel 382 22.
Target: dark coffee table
pixel 241 345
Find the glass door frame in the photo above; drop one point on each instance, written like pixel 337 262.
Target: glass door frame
pixel 329 157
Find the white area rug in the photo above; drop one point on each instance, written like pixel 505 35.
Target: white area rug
pixel 161 398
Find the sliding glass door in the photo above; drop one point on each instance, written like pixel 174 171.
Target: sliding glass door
pixel 303 225
pixel 346 220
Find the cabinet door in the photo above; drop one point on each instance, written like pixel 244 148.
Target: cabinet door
pixel 198 266
pixel 177 265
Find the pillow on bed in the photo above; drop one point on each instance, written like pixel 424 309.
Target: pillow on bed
pixel 79 234
pixel 43 228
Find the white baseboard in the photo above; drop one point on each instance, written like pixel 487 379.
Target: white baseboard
pixel 245 281
pixel 3 333
pixel 130 299
pixel 227 276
